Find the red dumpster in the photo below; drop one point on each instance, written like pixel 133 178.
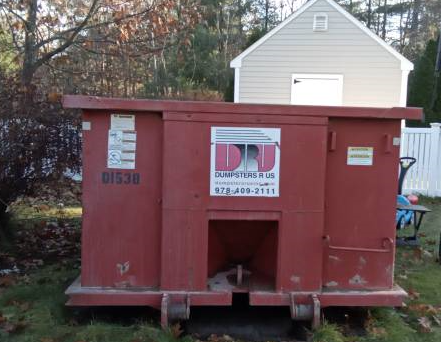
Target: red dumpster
pixel 188 203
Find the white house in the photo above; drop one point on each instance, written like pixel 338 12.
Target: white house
pixel 321 55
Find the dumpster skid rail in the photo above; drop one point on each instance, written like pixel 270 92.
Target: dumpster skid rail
pixel 189 203
pixel 300 303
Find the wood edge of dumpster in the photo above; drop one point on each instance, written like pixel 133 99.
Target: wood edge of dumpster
pixel 149 105
pixel 109 296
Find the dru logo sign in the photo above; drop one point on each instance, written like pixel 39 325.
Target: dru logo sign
pixel 245 161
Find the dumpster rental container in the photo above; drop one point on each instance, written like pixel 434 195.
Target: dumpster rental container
pixel 188 203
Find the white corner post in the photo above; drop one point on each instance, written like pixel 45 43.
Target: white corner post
pixel 236 84
pixel 403 92
pixel 434 188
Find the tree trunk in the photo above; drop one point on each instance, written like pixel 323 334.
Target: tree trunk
pixel 30 50
pixel 240 24
pixel 266 16
pixel 414 24
pixel 369 14
pixel 377 19
pixel 384 25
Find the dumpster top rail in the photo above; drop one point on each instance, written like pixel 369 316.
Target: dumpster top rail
pixel 142 105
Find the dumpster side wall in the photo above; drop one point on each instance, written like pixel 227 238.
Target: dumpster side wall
pixel 360 205
pixel 122 208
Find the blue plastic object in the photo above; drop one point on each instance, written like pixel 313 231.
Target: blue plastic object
pixel 403 217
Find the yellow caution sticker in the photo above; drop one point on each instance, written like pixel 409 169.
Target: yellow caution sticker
pixel 360 156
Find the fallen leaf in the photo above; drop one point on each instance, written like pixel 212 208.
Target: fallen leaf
pixel 413 294
pixel 46 339
pixel 11 328
pixel 25 306
pixel 431 309
pixel 423 309
pixel 424 325
pixel 176 330
pixel 436 320
pixel 418 253
pixel 427 254
pixel 54 97
pixel 378 331
pixel 41 207
pixel 6 281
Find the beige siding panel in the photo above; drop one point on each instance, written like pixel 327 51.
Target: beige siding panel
pixel 311 64
pixel 372 75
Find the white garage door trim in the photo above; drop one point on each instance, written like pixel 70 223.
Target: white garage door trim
pixel 316 100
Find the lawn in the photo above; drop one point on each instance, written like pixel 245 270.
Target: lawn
pixel 32 302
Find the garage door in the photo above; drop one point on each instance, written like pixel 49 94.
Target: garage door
pixel 313 89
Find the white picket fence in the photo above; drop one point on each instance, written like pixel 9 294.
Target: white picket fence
pixel 424 144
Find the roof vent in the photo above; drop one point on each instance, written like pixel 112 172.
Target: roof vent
pixel 320 22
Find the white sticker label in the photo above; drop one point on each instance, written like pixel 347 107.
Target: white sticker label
pixel 86 125
pixel 396 141
pixel 121 149
pixel 245 161
pixel 124 122
pixel 360 156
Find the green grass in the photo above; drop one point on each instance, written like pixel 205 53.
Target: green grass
pixel 34 308
pixel 35 305
pixel 328 333
pixel 423 274
pixel 32 214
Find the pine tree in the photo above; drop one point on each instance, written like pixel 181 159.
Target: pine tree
pixel 425 87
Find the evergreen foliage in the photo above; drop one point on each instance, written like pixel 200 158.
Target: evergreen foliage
pixel 425 86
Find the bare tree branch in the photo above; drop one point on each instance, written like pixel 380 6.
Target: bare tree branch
pixel 13 35
pixel 61 35
pixel 7 8
pixel 46 57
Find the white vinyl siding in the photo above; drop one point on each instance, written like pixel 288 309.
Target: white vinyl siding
pixel 372 75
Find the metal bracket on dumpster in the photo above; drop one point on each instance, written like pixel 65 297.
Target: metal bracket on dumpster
pixel 306 311
pixel 316 311
pixel 387 244
pixel 173 311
